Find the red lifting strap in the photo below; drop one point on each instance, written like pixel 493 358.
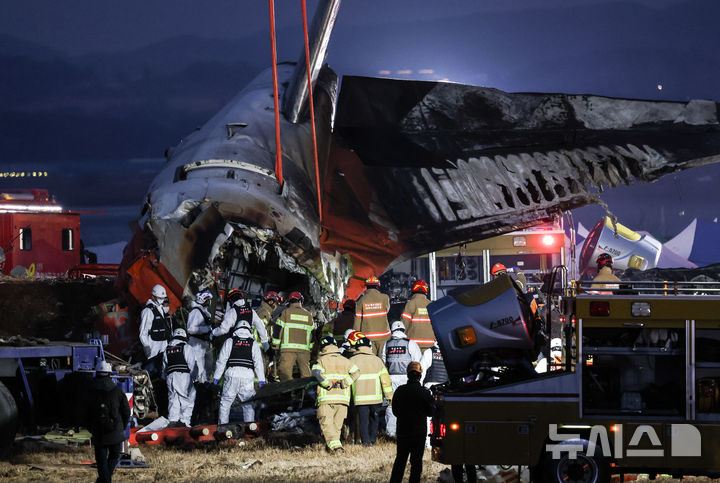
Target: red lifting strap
pixel 278 148
pixel 312 108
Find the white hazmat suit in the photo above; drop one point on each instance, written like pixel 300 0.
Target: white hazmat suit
pixel 245 364
pixel 198 329
pixel 398 375
pixel 230 319
pixel 153 308
pixel 181 391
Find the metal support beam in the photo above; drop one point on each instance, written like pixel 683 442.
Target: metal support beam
pixel 432 266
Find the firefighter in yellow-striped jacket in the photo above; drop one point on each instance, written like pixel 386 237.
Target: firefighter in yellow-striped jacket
pixel 293 338
pixel 371 387
pixel 416 319
pixel 335 375
pixel 371 315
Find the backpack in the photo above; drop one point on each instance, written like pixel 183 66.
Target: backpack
pixel 104 413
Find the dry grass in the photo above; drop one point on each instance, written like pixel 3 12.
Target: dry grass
pixel 225 463
pixel 220 463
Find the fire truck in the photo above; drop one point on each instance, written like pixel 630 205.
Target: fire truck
pixel 638 390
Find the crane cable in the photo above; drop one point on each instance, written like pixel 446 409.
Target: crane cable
pixel 278 147
pixel 312 108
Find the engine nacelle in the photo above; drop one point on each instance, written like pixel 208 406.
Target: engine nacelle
pixel 489 318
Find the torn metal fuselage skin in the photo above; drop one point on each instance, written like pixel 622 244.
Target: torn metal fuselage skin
pixel 432 165
pixel 219 190
pixel 411 167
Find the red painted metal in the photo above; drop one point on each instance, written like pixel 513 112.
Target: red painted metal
pixel 312 107
pixel 278 147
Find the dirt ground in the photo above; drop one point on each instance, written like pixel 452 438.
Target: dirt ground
pixel 252 461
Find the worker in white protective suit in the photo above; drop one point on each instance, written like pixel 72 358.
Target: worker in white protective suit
pixel 397 353
pixel 243 359
pixel 178 364
pixel 155 327
pixel 240 310
pixel 199 332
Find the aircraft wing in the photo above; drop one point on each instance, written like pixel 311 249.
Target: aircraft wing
pixel 418 166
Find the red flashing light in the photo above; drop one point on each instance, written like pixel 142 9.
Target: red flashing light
pixel 548 240
pixel 454 426
pixel 562 320
pixel 600 308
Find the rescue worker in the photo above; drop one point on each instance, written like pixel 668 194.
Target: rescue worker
pixel 239 310
pixel 178 364
pixel 294 330
pixel 433 366
pixel 106 414
pixel 412 404
pixel 242 357
pixel 434 370
pixel 497 270
pixel 335 375
pixel 605 274
pixel 270 302
pixel 155 328
pixel 397 353
pixel 370 389
pixel 371 314
pixel 344 321
pixel 199 328
pixel 416 318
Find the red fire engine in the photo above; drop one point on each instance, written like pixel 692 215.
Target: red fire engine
pixel 36 233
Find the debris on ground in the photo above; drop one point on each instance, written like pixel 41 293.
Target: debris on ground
pixel 157 425
pixel 297 421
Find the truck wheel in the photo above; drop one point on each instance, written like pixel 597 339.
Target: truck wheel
pixel 583 469
pixel 8 421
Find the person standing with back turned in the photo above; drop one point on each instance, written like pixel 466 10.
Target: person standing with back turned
pixel 412 404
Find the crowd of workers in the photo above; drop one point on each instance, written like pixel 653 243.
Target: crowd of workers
pixel 359 359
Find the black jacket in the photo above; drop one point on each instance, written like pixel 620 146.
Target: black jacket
pixel 412 404
pixel 103 389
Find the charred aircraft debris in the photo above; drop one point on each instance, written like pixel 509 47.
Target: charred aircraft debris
pixel 405 168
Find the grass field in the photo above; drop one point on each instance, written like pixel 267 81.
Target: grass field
pixel 225 462
pixel 218 463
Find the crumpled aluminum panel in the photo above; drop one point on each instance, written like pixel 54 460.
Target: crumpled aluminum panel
pixel 450 163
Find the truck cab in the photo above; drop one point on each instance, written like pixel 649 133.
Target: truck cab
pixel 638 390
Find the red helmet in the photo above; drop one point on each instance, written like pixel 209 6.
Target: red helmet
pixel 349 305
pixel 372 281
pixel 272 296
pixel 234 295
pixel 355 336
pixel 295 297
pixel 498 269
pixel 419 286
pixel 604 260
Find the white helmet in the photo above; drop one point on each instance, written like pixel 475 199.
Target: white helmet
pixel 348 332
pixel 397 325
pixel 103 367
pixel 242 323
pixel 203 297
pixel 158 291
pixel 179 333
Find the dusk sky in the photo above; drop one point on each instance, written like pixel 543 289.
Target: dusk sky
pixel 93 92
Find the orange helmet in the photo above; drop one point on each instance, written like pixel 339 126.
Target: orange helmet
pixel 372 281
pixel 498 269
pixel 419 286
pixel 355 336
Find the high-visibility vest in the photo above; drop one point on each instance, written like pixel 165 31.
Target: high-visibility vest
pixel 371 314
pixel 417 321
pixel 397 356
pixel 333 367
pixel 374 381
pixel 296 326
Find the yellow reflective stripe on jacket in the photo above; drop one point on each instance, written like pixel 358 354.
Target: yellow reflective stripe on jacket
pixel 286 344
pixel 276 340
pixel 333 395
pixel 303 318
pixel 377 395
